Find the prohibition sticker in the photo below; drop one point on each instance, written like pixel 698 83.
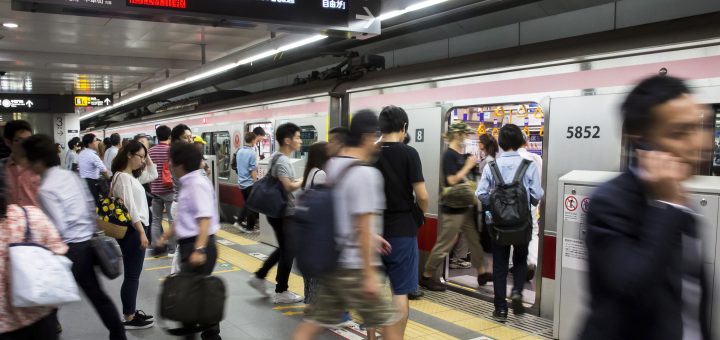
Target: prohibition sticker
pixel 585 204
pixel 575 207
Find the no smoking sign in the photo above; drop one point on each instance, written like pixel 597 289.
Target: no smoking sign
pixel 575 207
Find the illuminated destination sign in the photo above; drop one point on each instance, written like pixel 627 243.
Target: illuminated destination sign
pixel 93 101
pixel 301 16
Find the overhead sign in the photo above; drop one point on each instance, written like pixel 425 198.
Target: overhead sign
pixel 93 101
pixel 35 103
pixel 335 15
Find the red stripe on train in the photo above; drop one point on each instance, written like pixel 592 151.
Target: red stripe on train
pixel 231 195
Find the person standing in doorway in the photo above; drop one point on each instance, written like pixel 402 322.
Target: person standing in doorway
pixel 508 165
pixel 246 161
pixel 71 158
pixel 288 138
pixel 456 167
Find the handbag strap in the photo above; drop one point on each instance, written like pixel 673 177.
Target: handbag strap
pixel 273 161
pixel 28 233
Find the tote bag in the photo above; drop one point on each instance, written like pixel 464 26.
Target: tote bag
pixel 38 276
pixel 268 195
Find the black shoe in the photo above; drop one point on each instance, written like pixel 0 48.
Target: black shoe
pixel 517 304
pixel 416 295
pixel 484 278
pixel 142 316
pixel 500 315
pixel 531 272
pixel 136 323
pixel 159 252
pixel 432 285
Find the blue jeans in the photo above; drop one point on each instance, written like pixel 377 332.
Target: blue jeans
pixel 133 259
pixel 501 263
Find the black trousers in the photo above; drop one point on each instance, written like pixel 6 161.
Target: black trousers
pixel 187 246
pixel 501 264
pixel 281 256
pixel 246 214
pixel 43 329
pixel 83 258
pixel 133 259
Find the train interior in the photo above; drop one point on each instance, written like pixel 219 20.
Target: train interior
pixel 488 119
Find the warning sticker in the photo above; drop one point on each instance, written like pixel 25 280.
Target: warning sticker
pixel 575 207
pixel 574 254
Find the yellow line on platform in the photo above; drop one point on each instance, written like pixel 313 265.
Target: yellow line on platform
pixel 227 271
pixel 293 313
pixel 414 329
pixel 289 307
pixel 158 268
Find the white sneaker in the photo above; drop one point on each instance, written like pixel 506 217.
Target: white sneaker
pixel 259 284
pixel 171 255
pixel 286 297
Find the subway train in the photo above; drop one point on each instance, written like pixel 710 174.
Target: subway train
pixel 567 107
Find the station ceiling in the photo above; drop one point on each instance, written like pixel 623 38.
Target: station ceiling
pixel 59 54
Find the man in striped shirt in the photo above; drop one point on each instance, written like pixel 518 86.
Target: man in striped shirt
pixel 163 193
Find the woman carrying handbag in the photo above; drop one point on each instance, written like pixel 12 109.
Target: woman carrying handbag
pixel 128 178
pixel 62 194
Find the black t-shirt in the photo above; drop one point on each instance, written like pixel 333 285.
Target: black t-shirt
pixel 405 164
pixel 452 163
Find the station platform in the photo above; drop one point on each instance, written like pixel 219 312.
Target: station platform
pixel 248 315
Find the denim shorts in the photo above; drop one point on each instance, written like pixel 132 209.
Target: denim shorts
pixel 401 265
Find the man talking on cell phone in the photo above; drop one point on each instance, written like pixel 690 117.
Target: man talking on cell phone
pixel 643 238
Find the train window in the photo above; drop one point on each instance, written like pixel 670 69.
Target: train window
pixel 208 147
pixel 221 146
pixel 309 136
pixel 265 147
pixel 488 119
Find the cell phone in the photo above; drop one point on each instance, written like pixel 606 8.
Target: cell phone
pixel 639 145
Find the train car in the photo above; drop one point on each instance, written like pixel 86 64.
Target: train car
pixel 568 109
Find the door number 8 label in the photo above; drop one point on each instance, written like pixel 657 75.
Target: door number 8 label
pixel 583 132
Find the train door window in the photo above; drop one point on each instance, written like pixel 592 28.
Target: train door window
pixel 488 119
pixel 208 147
pixel 221 147
pixel 265 147
pixel 309 136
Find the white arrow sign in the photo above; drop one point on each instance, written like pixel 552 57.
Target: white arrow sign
pixel 107 101
pixel 369 17
pixel 29 103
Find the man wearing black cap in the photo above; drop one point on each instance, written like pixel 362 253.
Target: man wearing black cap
pixel 359 203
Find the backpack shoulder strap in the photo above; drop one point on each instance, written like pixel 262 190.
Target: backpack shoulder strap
pixel 520 173
pixel 496 173
pixel 273 161
pixel 342 173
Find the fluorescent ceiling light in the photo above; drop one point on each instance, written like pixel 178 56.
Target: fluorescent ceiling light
pixel 411 8
pixel 257 57
pixel 302 43
pixel 212 72
pixel 10 25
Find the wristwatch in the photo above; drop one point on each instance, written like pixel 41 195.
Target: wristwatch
pixel 201 250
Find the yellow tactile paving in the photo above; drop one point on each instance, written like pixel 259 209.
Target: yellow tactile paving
pixel 531 337
pixel 476 324
pixel 414 330
pixel 235 238
pixel 504 333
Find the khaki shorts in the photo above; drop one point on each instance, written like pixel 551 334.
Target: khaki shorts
pixel 342 291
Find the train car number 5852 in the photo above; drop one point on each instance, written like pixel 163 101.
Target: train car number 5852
pixel 583 132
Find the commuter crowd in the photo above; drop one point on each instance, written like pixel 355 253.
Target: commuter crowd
pixel 350 221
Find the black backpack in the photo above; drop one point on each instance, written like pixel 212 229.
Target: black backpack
pixel 312 228
pixel 511 216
